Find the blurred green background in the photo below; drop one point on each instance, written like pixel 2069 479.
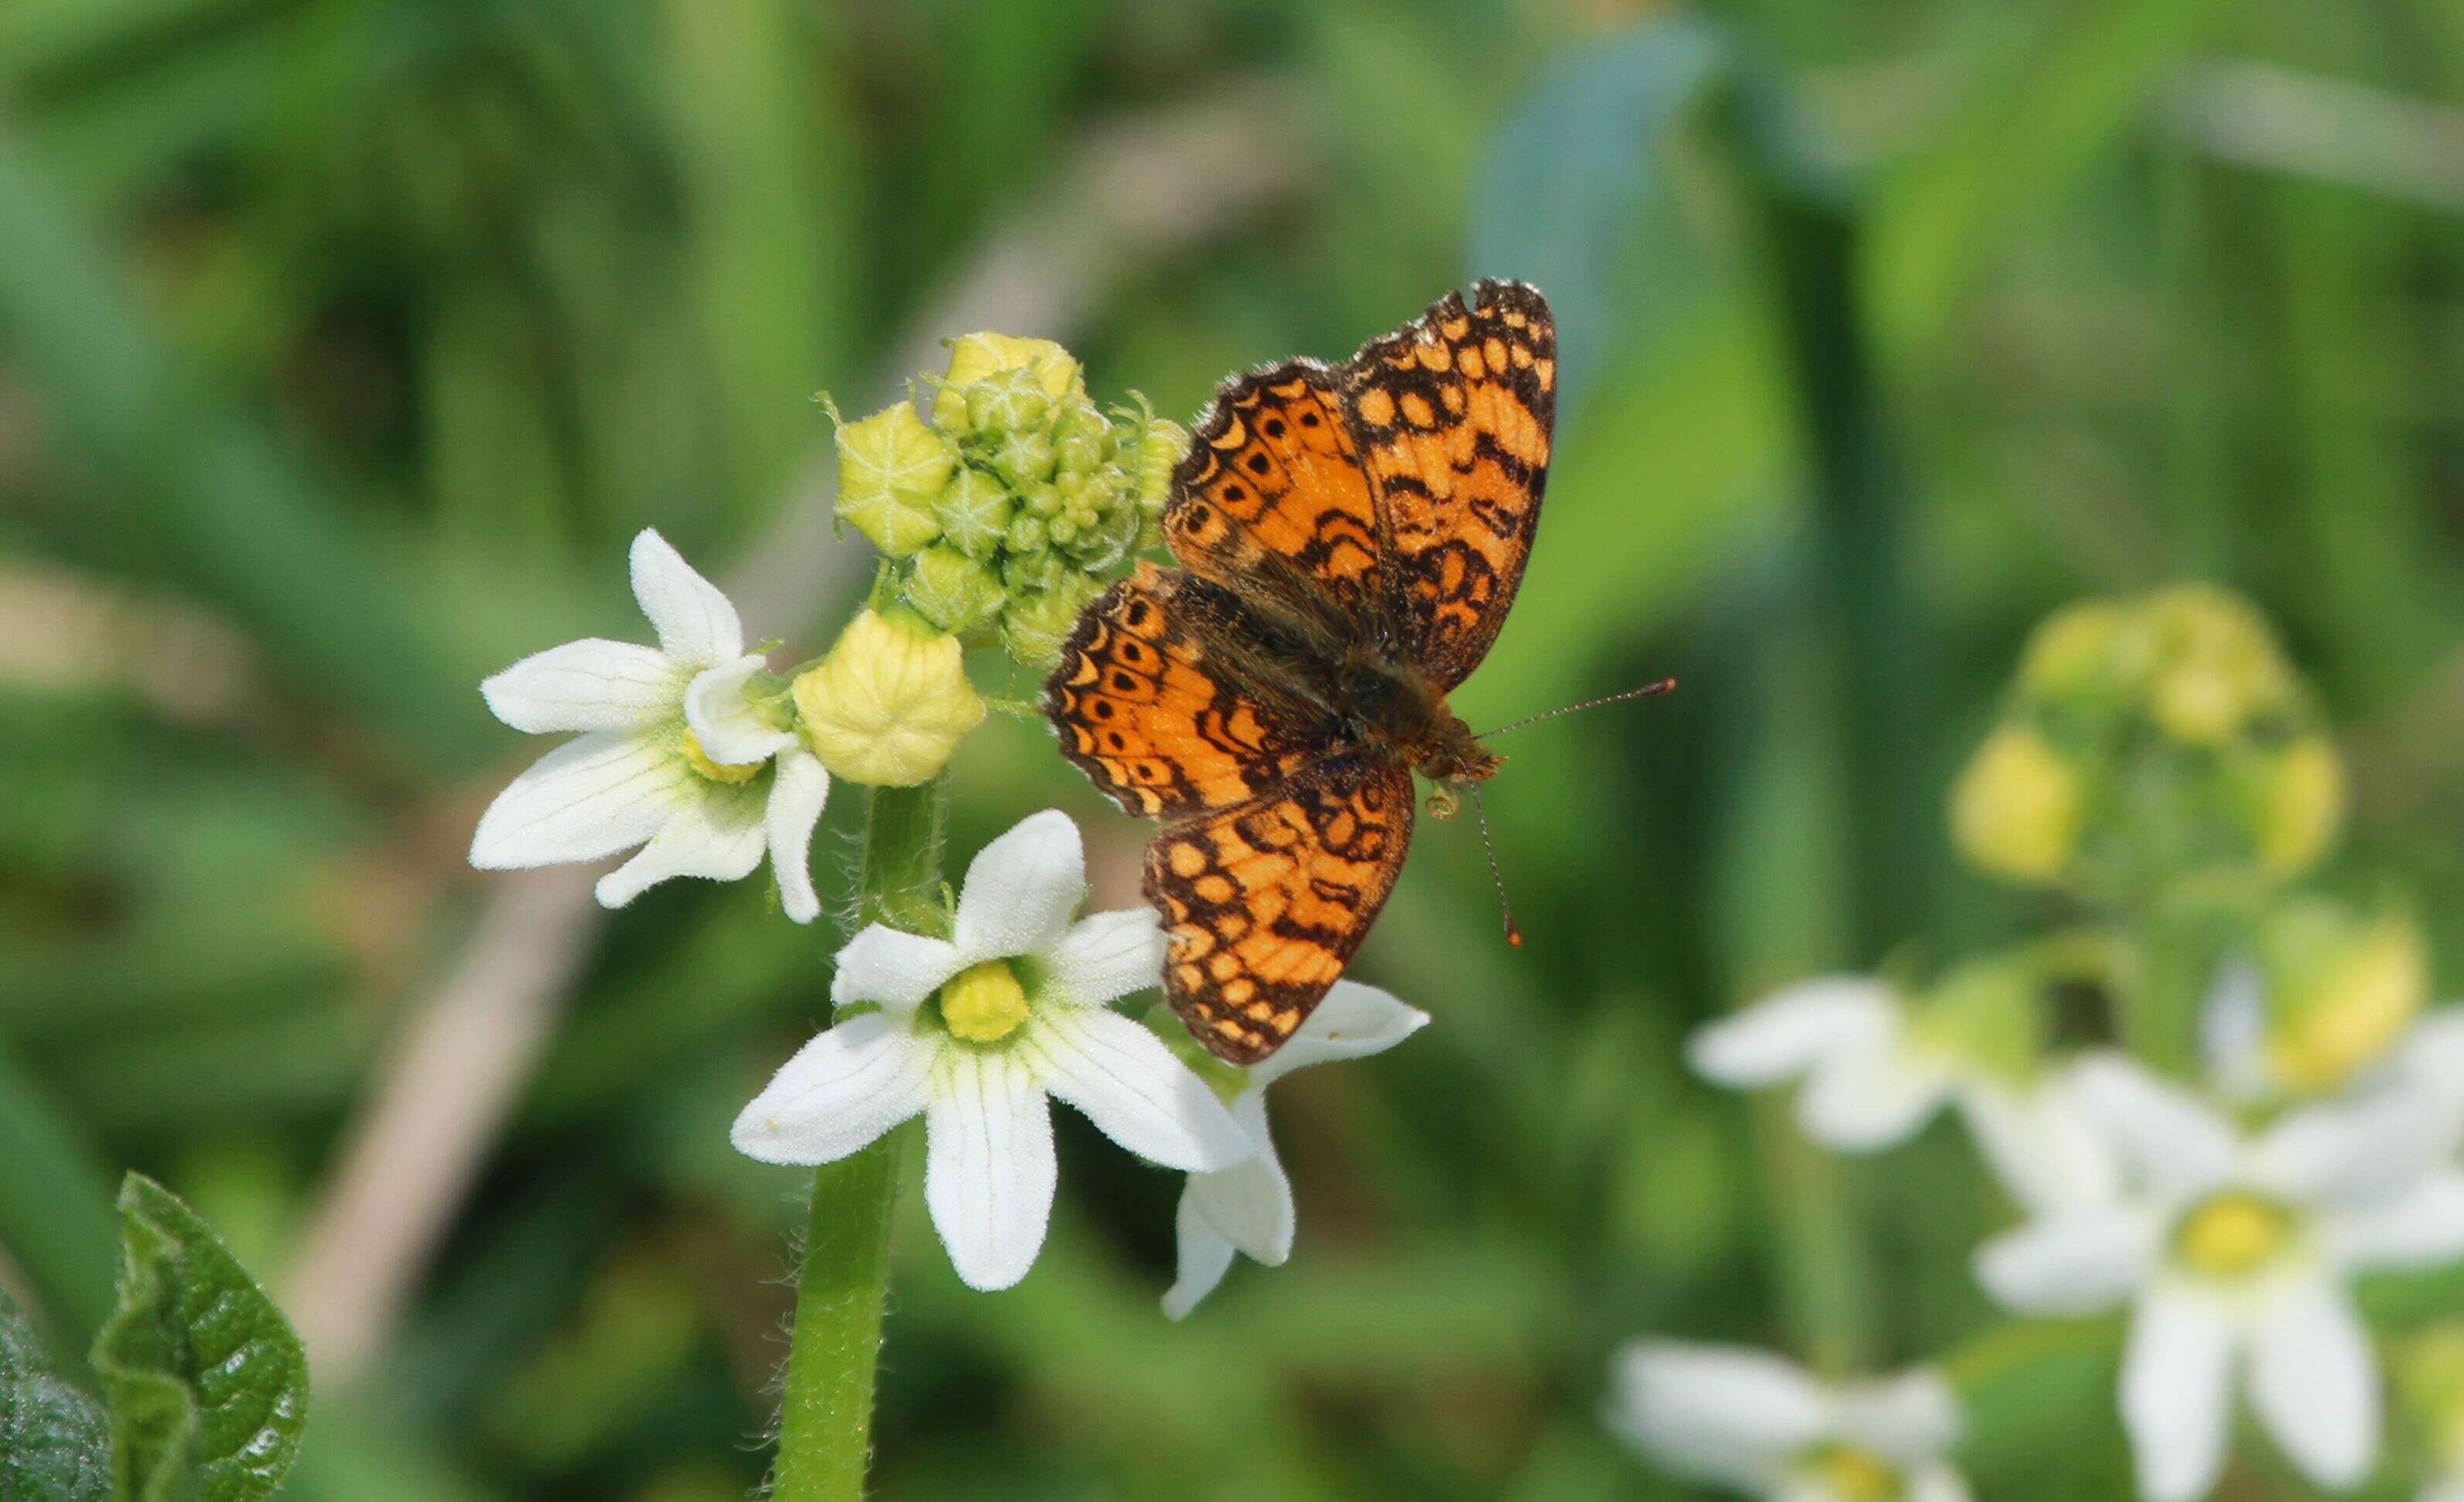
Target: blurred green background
pixel 343 343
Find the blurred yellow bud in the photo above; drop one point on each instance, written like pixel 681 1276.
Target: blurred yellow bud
pixel 1160 451
pixel 2341 991
pixel 2217 667
pixel 978 356
pixel 2017 808
pixel 890 702
pixel 2083 647
pixel 983 1003
pixel 2302 805
pixel 892 469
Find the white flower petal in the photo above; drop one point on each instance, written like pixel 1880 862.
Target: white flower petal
pixel 1353 1021
pixel 1204 1258
pixel 717 833
pixel 988 1165
pixel 2176 1374
pixel 1130 1086
pixel 2039 1145
pixel 2071 1262
pixel 893 968
pixel 798 792
pixel 840 1091
pixel 1911 1418
pixel 1938 1483
pixel 731 731
pixel 1106 954
pixel 1716 1413
pixel 586 799
pixel 2420 1227
pixel 2168 1137
pixel 2315 1382
pixel 591 684
pixel 2352 1151
pixel 1020 889
pixel 694 619
pixel 1783 1036
pixel 1249 1206
pixel 1860 1100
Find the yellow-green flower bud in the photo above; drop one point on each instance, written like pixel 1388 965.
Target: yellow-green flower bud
pixel 1161 450
pixel 978 356
pixel 974 510
pixel 2300 804
pixel 1079 455
pixel 2017 809
pixel 890 702
pixel 2341 991
pixel 1027 532
pixel 983 1003
pixel 955 593
pixel 2217 666
pixel 892 469
pixel 1008 401
pixel 1024 458
pixel 1034 625
pixel 1032 573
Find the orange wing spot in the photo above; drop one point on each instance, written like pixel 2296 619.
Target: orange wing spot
pixel 1379 408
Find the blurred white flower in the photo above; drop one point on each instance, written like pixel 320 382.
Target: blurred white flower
pixel 2235 1253
pixel 1249 1207
pixel 2427 1070
pixel 673 757
pixel 979 1032
pixel 1871 1080
pixel 1757 1423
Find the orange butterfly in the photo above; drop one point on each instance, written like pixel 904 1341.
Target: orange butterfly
pixel 1350 540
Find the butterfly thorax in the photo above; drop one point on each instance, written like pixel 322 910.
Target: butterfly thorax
pixel 1392 706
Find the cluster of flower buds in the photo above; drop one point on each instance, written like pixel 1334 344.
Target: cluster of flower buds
pixel 1005 508
pixel 2151 741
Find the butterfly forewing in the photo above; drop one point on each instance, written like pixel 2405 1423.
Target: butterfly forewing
pixel 1452 414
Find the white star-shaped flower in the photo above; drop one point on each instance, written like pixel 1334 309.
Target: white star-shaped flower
pixel 2235 1253
pixel 1751 1421
pixel 1249 1209
pixel 1870 1080
pixel 979 1032
pixel 674 756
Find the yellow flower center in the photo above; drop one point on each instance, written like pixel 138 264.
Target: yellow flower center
pixel 731 773
pixel 983 1004
pixel 2234 1234
pixel 1851 1474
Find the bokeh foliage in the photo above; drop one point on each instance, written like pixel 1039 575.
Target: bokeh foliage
pixel 343 343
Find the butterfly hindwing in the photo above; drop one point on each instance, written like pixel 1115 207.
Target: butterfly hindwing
pixel 1453 413
pixel 1264 903
pixel 1158 721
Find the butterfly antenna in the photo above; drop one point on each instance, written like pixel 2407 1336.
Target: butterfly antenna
pixel 1497 879
pixel 1647 691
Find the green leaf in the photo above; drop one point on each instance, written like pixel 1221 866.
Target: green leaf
pixel 207 1380
pixel 53 1443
